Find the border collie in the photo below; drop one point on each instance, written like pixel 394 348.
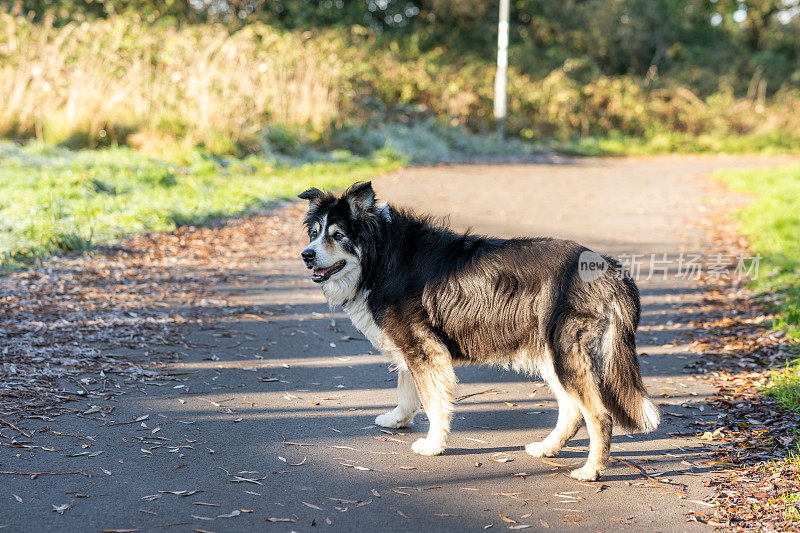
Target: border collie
pixel 431 298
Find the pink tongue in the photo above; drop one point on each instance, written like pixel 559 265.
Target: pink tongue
pixel 320 271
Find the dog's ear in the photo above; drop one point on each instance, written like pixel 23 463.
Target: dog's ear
pixel 361 197
pixel 312 195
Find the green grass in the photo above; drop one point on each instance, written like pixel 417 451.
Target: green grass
pixel 785 386
pixel 793 506
pixel 54 200
pixel 771 223
pixel 679 143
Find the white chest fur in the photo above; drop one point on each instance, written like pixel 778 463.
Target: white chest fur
pixel 362 319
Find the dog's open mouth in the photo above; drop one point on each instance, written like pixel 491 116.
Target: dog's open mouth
pixel 324 274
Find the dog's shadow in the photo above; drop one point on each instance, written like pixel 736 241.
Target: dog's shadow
pixel 481 451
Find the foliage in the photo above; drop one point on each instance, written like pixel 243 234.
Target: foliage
pixel 431 141
pixel 118 81
pixel 771 222
pixel 625 36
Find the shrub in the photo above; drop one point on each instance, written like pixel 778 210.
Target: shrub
pixel 154 86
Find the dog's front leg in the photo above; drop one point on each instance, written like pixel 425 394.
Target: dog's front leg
pixel 436 383
pixel 407 403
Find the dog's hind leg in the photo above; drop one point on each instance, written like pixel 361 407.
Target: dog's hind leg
pixel 569 422
pixel 576 345
pixel 599 424
pixel 436 382
pixel 408 403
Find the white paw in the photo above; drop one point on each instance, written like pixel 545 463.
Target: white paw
pixel 540 449
pixel 585 474
pixel 427 447
pixel 392 420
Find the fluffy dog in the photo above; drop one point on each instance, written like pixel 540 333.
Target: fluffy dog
pixel 430 298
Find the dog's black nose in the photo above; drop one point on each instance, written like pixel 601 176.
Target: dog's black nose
pixel 308 255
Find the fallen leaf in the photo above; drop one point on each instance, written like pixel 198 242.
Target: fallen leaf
pixel 391 486
pixel 61 508
pixel 312 506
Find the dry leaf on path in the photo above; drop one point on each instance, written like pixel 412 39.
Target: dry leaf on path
pixel 312 506
pixel 61 508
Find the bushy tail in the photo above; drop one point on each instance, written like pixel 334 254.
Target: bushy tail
pixel 621 386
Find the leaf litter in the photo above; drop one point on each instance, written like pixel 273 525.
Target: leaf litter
pixel 86 323
pixel 753 435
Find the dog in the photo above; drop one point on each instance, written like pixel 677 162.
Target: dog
pixel 431 298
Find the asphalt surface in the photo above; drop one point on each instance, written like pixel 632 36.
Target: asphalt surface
pixel 269 417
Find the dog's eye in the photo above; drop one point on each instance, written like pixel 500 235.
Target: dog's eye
pixel 338 235
pixel 313 234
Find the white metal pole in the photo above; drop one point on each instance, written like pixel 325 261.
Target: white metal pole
pixel 501 78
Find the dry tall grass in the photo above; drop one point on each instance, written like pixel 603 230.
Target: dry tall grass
pixel 106 80
pixel 152 86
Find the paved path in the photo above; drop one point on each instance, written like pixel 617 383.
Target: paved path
pixel 270 416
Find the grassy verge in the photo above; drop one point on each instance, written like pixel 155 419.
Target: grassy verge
pixel 680 143
pixel 771 222
pixel 54 200
pixel 786 387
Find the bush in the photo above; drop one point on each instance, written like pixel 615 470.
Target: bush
pixel 156 87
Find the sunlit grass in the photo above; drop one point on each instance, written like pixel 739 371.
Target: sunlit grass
pixel 54 200
pixel 680 143
pixel 792 511
pixel 771 223
pixel 120 81
pixel 785 386
pixel 789 500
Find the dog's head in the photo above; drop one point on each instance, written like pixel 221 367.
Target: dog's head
pixel 337 228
